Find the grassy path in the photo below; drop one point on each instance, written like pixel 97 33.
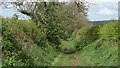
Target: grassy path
pixel 67 60
pixel 56 60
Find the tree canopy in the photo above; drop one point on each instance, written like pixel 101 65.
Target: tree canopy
pixel 59 19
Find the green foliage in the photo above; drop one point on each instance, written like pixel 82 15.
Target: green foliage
pixel 48 20
pixel 82 37
pixel 68 46
pixel 92 33
pixel 87 33
pixel 9 49
pixel 83 44
pixel 37 33
pixel 35 42
pixel 19 47
pixel 58 22
pixel 73 20
pixel 80 34
pixel 109 31
pixel 99 54
pixel 86 36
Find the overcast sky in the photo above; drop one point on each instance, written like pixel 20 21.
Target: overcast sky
pixel 103 11
pixel 100 10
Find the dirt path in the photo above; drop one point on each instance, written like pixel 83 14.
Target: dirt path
pixel 64 60
pixel 76 60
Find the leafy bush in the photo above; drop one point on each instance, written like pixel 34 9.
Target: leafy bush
pixel 18 48
pixel 82 44
pixel 109 31
pixel 68 46
pixel 38 34
pixel 10 50
pixel 82 37
pixel 80 34
pixel 92 33
pixel 86 35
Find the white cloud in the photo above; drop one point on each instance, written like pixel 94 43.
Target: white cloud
pixel 106 11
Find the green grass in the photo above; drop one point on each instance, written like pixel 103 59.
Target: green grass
pixel 64 60
pixel 0 62
pixel 58 61
pixel 97 55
